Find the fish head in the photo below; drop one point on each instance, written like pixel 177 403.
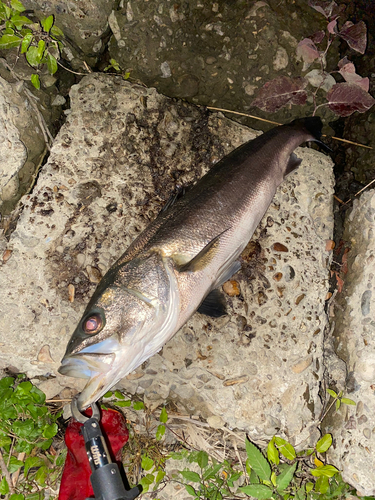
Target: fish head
pixel 119 329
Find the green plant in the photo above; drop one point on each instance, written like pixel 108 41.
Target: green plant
pixel 39 41
pixel 113 64
pixel 27 429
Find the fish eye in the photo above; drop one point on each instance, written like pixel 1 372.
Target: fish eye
pixel 92 324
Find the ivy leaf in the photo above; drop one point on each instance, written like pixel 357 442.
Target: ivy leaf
pixel 17 5
pixel 279 92
pixel 123 404
pixel 272 452
pixel 344 99
pixel 190 476
pixel 355 35
pixel 257 461
pixel 119 395
pixel 284 478
pixel 9 41
pixel 47 23
pixel 323 6
pixel 285 448
pixel 17 496
pixel 260 491
pixel 50 431
pixel 52 68
pixel 14 465
pixel 324 443
pixel 6 382
pixel 138 405
pixel 41 475
pixel 160 476
pixel 324 470
pixel 147 463
pixel 163 415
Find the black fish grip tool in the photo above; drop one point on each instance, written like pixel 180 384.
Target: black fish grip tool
pixel 106 479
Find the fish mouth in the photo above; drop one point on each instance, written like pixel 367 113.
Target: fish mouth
pixel 97 363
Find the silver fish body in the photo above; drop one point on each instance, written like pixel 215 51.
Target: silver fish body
pixel 188 251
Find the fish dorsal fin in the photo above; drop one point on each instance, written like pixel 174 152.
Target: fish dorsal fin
pixel 204 257
pixel 213 305
pixel 293 163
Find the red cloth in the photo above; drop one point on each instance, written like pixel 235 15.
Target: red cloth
pixel 75 481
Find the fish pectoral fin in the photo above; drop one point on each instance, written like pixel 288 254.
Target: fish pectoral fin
pixel 293 163
pixel 203 258
pixel 228 273
pixel 213 305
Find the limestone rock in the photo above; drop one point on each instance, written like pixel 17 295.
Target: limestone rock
pixel 353 427
pixel 113 165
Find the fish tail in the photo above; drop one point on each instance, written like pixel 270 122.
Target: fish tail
pixel 313 126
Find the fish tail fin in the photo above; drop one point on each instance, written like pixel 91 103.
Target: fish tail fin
pixel 313 126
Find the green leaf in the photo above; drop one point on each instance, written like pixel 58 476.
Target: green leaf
pixel 337 404
pixel 9 41
pixel 56 32
pixel 41 48
pixel 123 404
pixel 45 445
pixel 23 429
pixel 190 490
pixel 324 470
pixel 52 66
pixel 5 441
pixel 202 459
pixel 332 393
pixel 6 382
pixel 14 465
pixel 324 443
pixel 322 484
pixel 47 23
pixel 32 462
pixel 32 56
pixel 348 401
pixel 147 462
pixel 16 496
pixel 50 431
pixel 190 476
pixel 283 480
pixel 138 405
pixel 17 5
pixel 38 396
pixel 41 475
pixel 108 394
pixel 285 448
pixel 119 395
pixel 309 487
pixel 27 39
pixel 257 491
pixel 160 476
pixel 211 472
pixel 126 75
pixel 160 432
pixel 19 21
pixel 163 415
pixel 272 452
pixel 35 81
pixel 146 481
pixel 258 461
pixel 4 487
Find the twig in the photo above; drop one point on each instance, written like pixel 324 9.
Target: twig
pixel 15 476
pixel 5 470
pixel 277 123
pixel 71 71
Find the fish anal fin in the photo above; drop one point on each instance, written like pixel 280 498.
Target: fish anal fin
pixel 293 163
pixel 203 258
pixel 213 305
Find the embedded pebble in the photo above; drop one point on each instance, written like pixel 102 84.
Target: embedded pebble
pixel 232 288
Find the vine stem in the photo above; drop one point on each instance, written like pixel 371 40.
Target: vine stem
pixel 5 470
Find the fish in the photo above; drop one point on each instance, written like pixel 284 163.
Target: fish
pixel 176 266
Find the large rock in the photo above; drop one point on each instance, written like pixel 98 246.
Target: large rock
pixel 121 153
pixel 354 427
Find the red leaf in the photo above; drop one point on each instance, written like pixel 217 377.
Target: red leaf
pixel 332 27
pixel 342 62
pixel 348 72
pixel 355 35
pixel 318 36
pixel 340 283
pixel 345 98
pixel 324 7
pixel 307 51
pixel 279 92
